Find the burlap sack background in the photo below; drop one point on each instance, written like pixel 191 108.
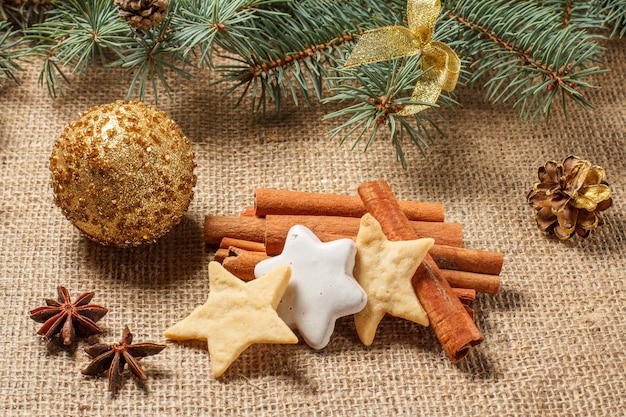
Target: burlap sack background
pixel 555 335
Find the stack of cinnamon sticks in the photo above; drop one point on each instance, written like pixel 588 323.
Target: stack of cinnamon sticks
pixel 446 283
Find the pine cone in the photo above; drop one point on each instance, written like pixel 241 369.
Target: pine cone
pixel 569 196
pixel 142 14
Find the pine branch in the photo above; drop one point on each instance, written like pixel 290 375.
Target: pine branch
pixel 10 53
pixel 533 53
pixel 615 12
pixel 532 60
pixel 299 54
pixel 198 23
pixel 77 34
pixel 296 50
pixel 147 55
pixel 583 14
pixel 375 93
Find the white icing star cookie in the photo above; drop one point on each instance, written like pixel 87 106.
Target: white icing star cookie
pixel 322 287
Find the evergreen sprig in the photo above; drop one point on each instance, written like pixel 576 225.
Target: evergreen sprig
pixel 529 58
pixel 294 53
pixel 198 23
pixel 615 12
pixel 583 14
pixel 531 53
pixel 147 56
pixel 76 34
pixel 10 53
pixel 378 92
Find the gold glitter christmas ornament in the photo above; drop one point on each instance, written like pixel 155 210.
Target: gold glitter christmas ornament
pixel 123 173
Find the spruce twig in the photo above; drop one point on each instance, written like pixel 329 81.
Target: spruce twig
pixel 296 51
pixel 532 61
pixel 379 91
pixel 583 14
pixel 77 34
pixel 615 13
pixel 10 53
pixel 147 55
pixel 199 22
pixel 531 53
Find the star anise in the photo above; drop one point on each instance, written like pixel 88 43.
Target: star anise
pixel 113 358
pixel 68 318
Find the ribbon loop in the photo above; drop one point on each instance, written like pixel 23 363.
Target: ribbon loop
pixel 439 61
pixel 422 16
pixel 451 65
pixel 382 44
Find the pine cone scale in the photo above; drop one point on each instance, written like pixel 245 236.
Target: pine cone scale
pixel 596 175
pixel 576 177
pixel 588 220
pixel 590 196
pixel 569 163
pixel 548 173
pixel 597 192
pixel 540 199
pixel 545 218
pixel 567 218
pixel 603 205
pixel 559 202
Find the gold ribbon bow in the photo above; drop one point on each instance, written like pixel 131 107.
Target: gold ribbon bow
pixel 441 63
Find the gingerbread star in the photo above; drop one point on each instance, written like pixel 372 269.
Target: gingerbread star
pixel 385 269
pixel 322 287
pixel 236 315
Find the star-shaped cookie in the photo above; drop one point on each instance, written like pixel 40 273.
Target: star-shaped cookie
pixel 322 287
pixel 236 315
pixel 385 269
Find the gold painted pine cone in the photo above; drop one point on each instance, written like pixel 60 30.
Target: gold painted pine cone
pixel 569 197
pixel 142 14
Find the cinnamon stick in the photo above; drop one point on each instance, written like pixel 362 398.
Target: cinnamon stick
pixel 221 254
pixel 465 295
pixel 227 242
pixel 450 321
pixel 248 211
pixel 269 201
pixel 240 227
pixel 489 284
pixel 446 257
pixel 241 262
pixel 277 227
pixel 469 311
pixel 471 260
pixel 466 298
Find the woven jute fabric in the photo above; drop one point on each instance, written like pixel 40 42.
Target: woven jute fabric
pixel 555 335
